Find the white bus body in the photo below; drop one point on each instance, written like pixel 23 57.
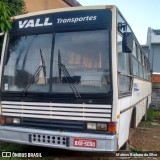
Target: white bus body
pixel 83 102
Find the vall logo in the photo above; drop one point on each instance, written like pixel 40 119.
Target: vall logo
pixel 34 23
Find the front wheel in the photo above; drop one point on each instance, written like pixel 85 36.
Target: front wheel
pixel 125 146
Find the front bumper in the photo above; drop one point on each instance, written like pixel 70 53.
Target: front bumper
pixel 64 140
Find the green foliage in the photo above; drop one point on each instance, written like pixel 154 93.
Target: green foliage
pixel 135 150
pixel 146 125
pixel 5 20
pixel 10 147
pixel 157 114
pixel 16 7
pixel 9 8
pixel 150 114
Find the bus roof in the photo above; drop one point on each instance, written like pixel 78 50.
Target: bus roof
pixel 65 10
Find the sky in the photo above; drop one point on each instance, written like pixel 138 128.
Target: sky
pixel 140 14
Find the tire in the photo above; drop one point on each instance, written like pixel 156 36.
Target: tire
pixel 125 146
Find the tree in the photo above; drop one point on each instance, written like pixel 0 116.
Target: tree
pixel 16 6
pixel 9 8
pixel 5 20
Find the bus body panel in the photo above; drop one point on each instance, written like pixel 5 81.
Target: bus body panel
pixel 140 101
pixel 115 110
pixel 124 126
pixel 45 138
pixel 133 99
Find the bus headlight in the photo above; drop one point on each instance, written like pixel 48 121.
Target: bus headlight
pixel 97 126
pixel 9 120
pixel 102 126
pixel 91 126
pixel 109 127
pixel 16 120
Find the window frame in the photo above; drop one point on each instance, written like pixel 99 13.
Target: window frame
pixel 128 75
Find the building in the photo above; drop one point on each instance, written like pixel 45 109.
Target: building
pixel 152 50
pixel 39 5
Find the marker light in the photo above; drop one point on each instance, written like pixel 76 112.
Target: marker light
pixel 112 127
pixel 9 120
pixel 2 120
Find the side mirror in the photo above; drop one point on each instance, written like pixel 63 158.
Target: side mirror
pixel 127 42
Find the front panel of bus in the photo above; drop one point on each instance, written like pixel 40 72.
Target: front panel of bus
pixel 56 81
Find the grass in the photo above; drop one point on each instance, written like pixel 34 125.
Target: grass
pixel 157 114
pixel 145 125
pixel 150 114
pixel 133 149
pixel 153 114
pixel 10 147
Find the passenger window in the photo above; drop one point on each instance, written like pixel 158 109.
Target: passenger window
pixel 124 69
pixel 135 66
pixel 123 59
pixel 134 49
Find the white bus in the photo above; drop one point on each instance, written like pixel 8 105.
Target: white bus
pixel 72 78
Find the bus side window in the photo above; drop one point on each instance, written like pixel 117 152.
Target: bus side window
pixel 135 59
pixel 124 69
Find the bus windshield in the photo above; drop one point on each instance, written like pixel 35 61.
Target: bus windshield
pixel 79 59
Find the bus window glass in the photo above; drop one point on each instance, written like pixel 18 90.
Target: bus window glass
pixel 124 84
pixel 28 58
pixel 123 63
pixel 143 59
pixel 134 49
pixel 123 68
pixel 149 76
pixel 139 55
pixel 135 66
pixel 82 58
pixel 123 58
pixel 145 62
pixel 146 74
pixel 140 70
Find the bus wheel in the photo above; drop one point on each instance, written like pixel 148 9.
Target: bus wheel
pixel 125 146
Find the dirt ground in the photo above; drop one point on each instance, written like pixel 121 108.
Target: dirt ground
pixel 146 137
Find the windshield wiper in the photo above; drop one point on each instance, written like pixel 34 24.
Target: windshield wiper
pixel 36 73
pixel 43 65
pixel 62 68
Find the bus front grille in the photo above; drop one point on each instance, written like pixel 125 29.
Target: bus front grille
pixel 58 111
